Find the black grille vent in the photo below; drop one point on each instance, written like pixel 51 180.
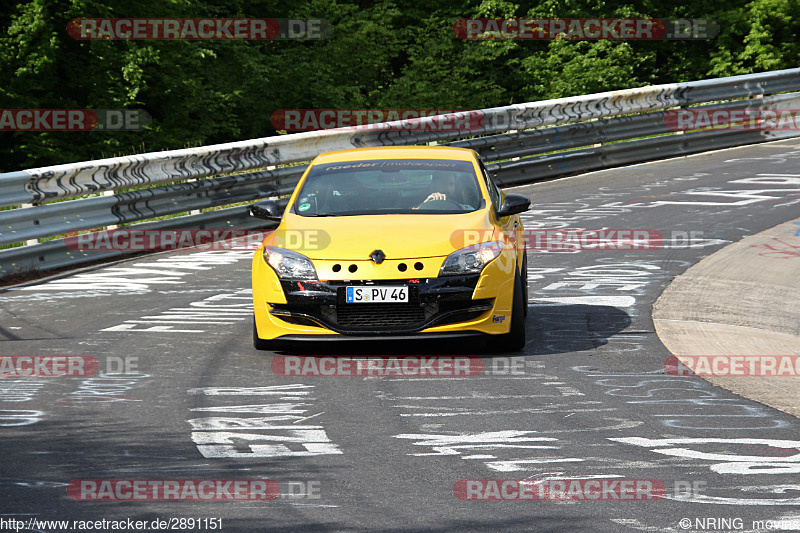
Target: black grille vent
pixel 380 316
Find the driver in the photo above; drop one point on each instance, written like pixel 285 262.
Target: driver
pixel 443 187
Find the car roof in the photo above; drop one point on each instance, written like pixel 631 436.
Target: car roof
pixel 397 152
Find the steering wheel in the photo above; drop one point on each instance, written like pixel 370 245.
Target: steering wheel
pixel 441 204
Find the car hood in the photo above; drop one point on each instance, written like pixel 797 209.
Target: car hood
pixel 399 236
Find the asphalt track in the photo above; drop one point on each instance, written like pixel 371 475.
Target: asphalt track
pixel 587 398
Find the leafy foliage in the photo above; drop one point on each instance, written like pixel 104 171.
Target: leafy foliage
pixel 382 54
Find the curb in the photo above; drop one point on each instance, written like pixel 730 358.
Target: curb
pixel 741 300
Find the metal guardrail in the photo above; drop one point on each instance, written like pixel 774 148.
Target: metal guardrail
pixel 611 153
pixel 573 135
pixel 62 217
pixel 57 254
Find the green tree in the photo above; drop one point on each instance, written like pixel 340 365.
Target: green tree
pixel 383 54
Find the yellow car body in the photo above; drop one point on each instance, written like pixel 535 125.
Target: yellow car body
pixel 413 241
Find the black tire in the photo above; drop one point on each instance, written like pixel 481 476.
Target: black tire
pixel 525 283
pixel 514 340
pixel 258 342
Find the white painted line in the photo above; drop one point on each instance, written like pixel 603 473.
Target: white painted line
pixel 611 301
pixel 514 465
pixel 308 417
pixel 509 411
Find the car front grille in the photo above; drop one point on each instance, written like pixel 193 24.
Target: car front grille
pixel 381 316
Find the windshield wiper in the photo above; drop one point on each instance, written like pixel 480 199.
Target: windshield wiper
pixel 322 215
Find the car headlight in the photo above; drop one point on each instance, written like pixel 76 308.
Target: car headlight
pixel 288 264
pixel 472 259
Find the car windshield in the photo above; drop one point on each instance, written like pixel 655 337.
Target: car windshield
pixel 389 186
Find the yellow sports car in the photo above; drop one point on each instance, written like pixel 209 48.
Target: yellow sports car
pixel 388 243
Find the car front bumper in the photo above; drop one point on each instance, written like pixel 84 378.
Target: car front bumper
pixel 438 306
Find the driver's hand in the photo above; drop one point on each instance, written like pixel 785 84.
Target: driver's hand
pixel 435 196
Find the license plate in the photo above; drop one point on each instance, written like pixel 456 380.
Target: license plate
pixel 369 294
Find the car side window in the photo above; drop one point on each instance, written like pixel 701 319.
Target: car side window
pixel 494 192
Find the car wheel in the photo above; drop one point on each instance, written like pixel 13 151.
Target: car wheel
pixel 258 342
pixel 514 340
pixel 525 284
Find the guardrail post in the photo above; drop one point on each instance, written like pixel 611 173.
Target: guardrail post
pixel 194 211
pixel 110 193
pixel 29 242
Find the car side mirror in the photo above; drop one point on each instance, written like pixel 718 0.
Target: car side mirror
pixel 266 209
pixel 513 204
